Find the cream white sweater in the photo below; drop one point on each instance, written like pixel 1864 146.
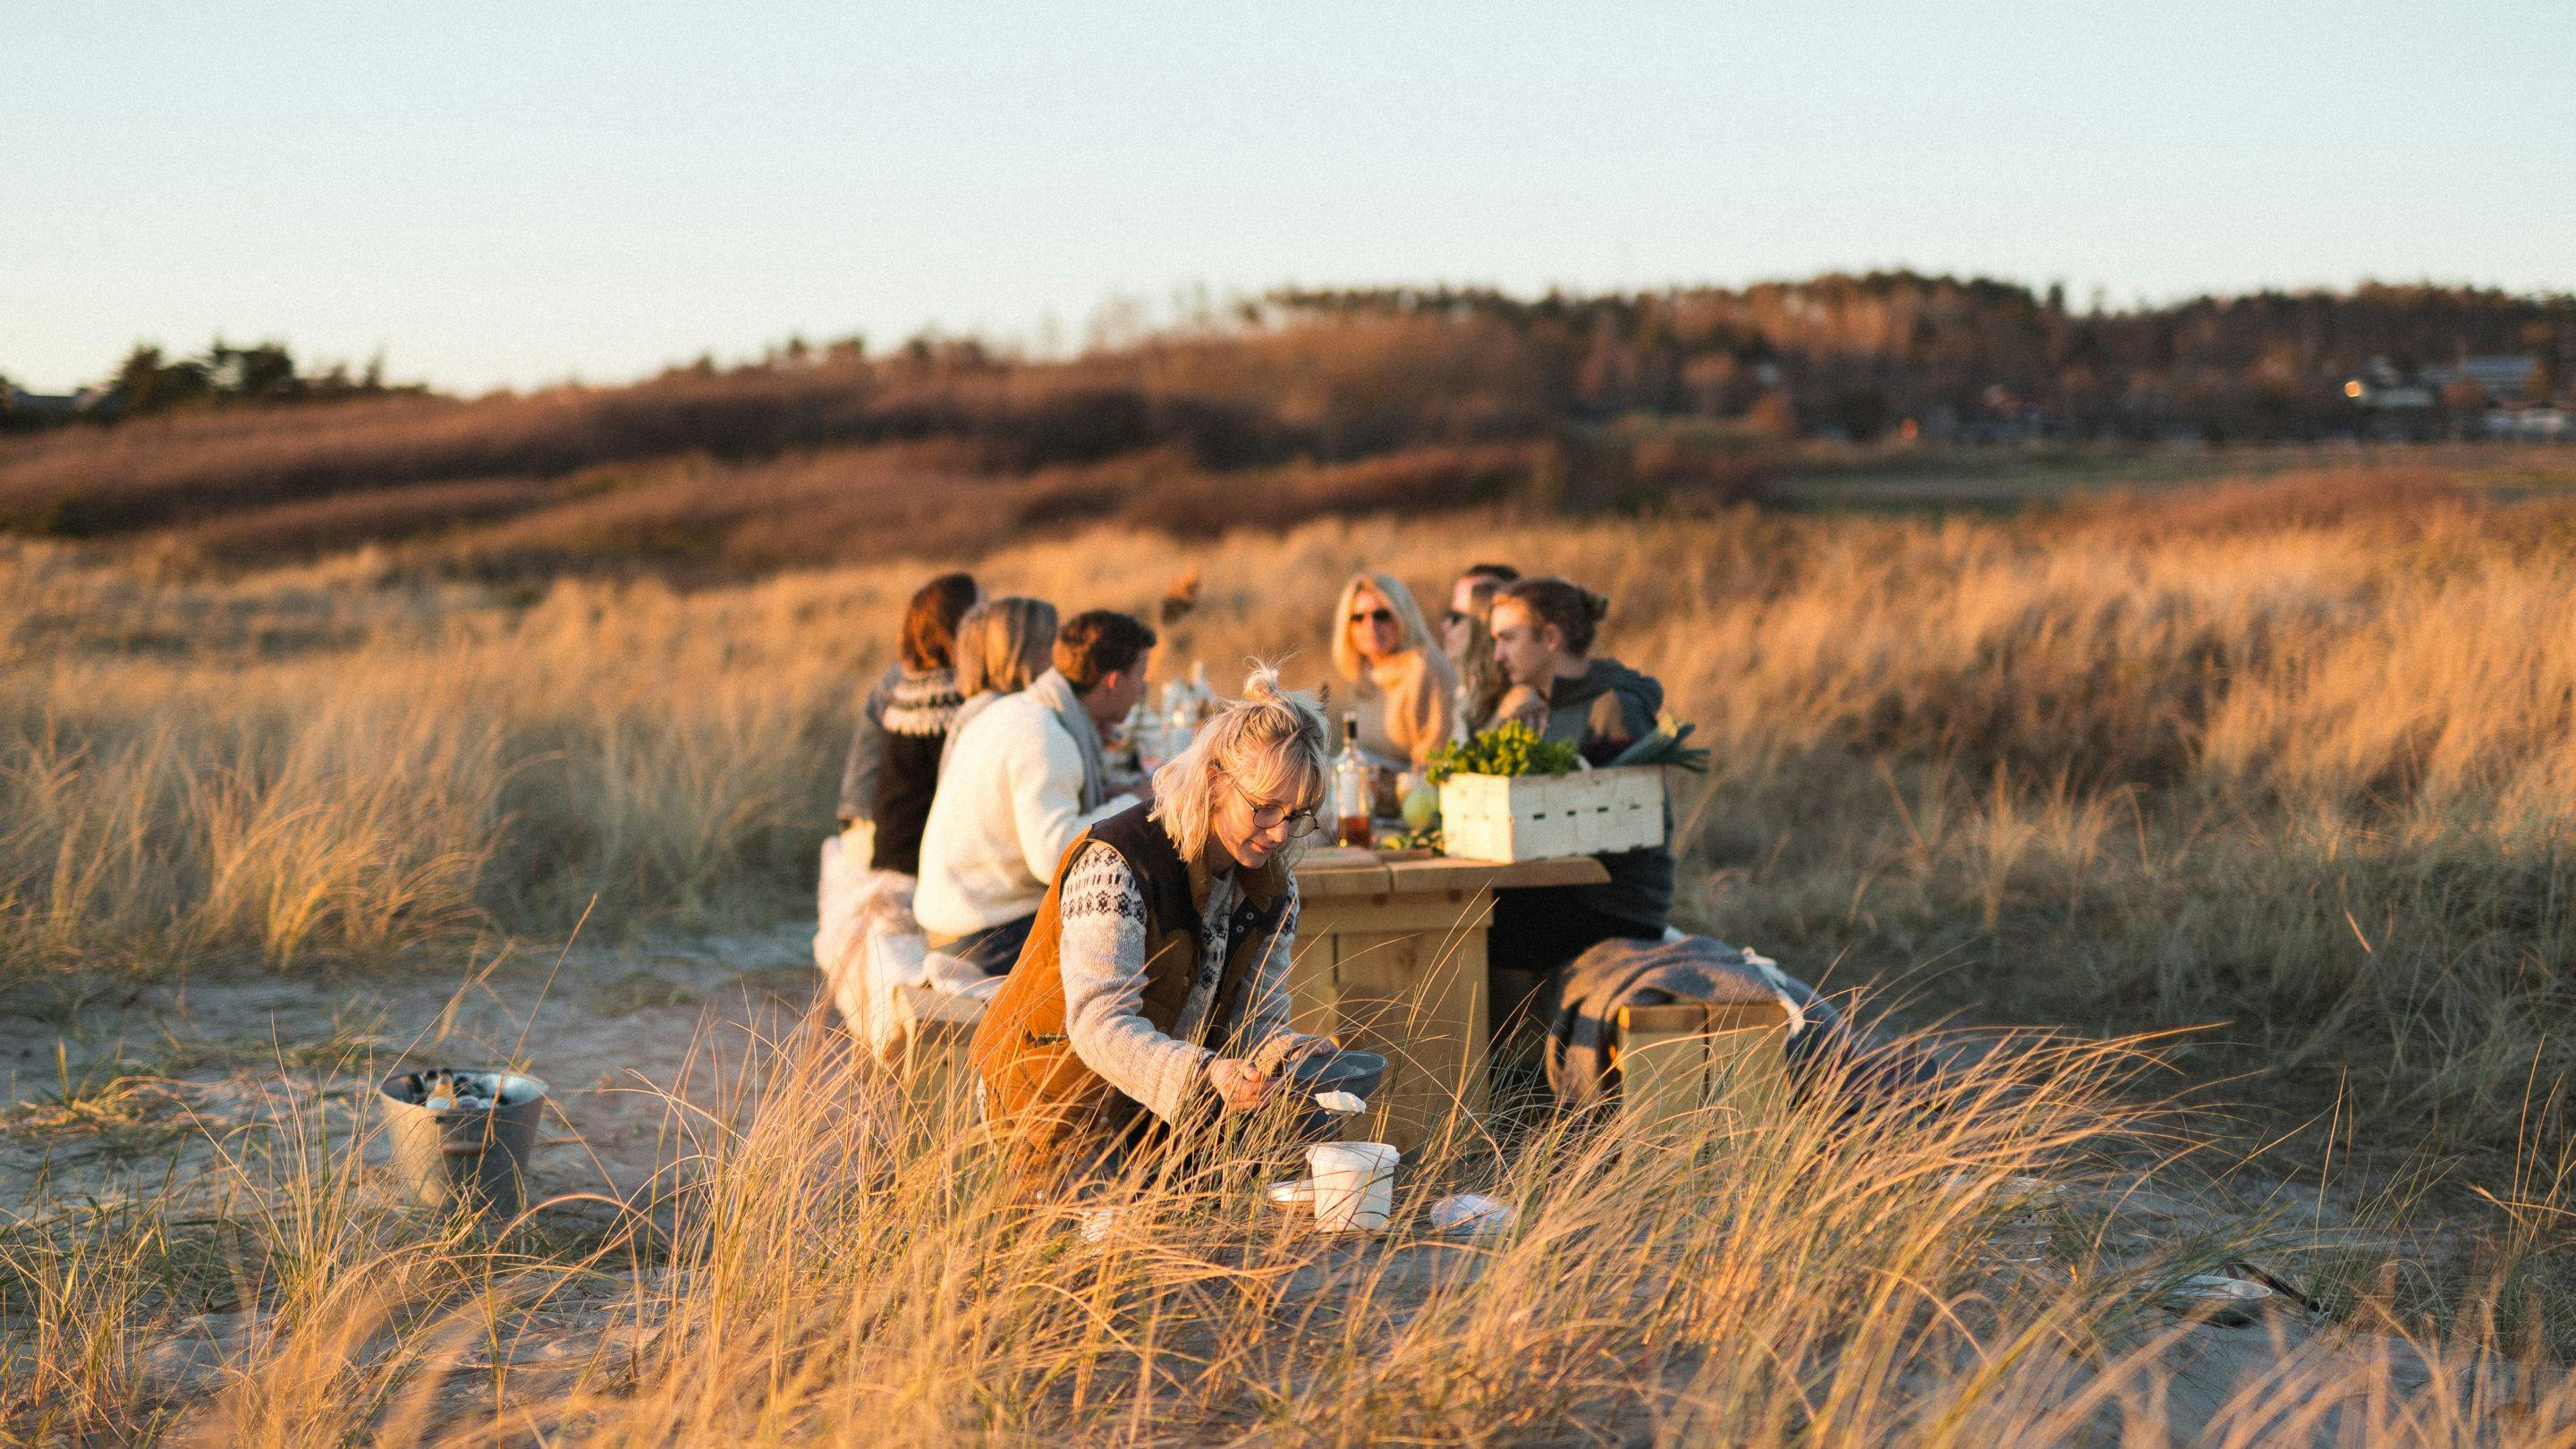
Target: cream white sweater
pixel 1009 802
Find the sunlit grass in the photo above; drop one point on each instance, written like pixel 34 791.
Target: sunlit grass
pixel 2290 766
pixel 827 1263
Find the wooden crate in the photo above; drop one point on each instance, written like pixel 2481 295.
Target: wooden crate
pixel 1678 1061
pixel 1533 817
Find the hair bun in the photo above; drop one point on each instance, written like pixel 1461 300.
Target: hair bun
pixel 1593 604
pixel 1261 686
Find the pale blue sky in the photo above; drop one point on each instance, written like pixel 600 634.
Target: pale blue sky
pixel 514 194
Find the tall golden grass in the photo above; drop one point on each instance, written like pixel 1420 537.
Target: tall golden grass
pixel 830 1265
pixel 2294 756
pixel 2291 758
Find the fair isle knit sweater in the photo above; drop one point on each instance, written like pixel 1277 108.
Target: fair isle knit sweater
pixel 1102 955
pixel 913 730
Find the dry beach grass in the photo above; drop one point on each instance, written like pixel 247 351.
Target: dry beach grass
pixel 1977 1266
pixel 2288 761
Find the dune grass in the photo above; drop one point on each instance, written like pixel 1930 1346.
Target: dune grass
pixel 2284 765
pixel 829 1263
pixel 2291 756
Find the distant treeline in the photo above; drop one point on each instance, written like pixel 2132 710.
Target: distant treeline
pixel 148 382
pixel 1303 404
pixel 1859 356
pixel 1843 356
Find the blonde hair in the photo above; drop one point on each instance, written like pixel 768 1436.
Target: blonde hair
pixel 1481 681
pixel 1003 644
pixel 1270 743
pixel 1399 601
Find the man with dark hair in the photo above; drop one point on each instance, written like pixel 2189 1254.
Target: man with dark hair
pixel 1470 598
pixel 1097 643
pixel 1543 636
pixel 1024 778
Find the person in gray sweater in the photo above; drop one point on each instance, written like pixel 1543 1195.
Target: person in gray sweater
pixel 1543 636
pixel 867 743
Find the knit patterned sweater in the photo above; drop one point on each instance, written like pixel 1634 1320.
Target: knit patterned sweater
pixel 913 731
pixel 1102 956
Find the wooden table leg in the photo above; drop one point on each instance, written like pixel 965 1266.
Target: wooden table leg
pixel 1407 980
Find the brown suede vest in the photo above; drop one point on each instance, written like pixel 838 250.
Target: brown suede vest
pixel 1043 1102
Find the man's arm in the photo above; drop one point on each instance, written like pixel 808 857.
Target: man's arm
pixel 1615 722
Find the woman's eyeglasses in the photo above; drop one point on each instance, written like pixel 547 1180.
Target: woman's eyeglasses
pixel 1267 815
pixel 1373 616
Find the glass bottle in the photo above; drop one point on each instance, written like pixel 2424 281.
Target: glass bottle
pixel 1142 735
pixel 1351 787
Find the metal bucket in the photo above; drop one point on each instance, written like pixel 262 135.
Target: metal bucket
pixel 473 1156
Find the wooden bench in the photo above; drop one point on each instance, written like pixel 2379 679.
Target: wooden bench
pixel 938 1079
pixel 1676 1062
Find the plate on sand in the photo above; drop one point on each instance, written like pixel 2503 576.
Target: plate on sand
pixel 2219 1298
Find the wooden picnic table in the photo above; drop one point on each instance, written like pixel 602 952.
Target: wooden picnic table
pixel 1390 958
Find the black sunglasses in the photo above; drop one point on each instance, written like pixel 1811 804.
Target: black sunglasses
pixel 1374 616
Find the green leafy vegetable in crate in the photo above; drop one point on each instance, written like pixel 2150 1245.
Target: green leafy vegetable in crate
pixel 1409 839
pixel 1664 747
pixel 1511 748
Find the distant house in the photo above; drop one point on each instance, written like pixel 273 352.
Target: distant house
pixel 2505 378
pixel 2531 423
pixel 43 407
pixel 2371 393
pixel 2501 378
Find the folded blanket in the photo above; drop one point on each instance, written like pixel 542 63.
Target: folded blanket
pixel 1584 1025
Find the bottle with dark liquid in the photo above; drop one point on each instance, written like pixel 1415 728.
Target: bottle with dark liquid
pixel 1351 787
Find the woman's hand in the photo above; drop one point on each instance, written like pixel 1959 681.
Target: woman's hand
pixel 1524 704
pixel 1285 1049
pixel 1237 1083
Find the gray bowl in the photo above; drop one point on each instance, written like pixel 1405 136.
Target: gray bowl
pixel 1357 1073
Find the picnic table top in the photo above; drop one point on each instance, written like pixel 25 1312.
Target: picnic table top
pixel 1341 871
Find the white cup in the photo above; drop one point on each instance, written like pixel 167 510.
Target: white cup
pixel 1353 1186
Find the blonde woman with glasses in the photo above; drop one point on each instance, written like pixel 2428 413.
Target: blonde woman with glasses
pixel 1406 698
pixel 1152 996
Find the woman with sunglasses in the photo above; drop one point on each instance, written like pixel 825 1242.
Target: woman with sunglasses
pixel 1406 698
pixel 1152 995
